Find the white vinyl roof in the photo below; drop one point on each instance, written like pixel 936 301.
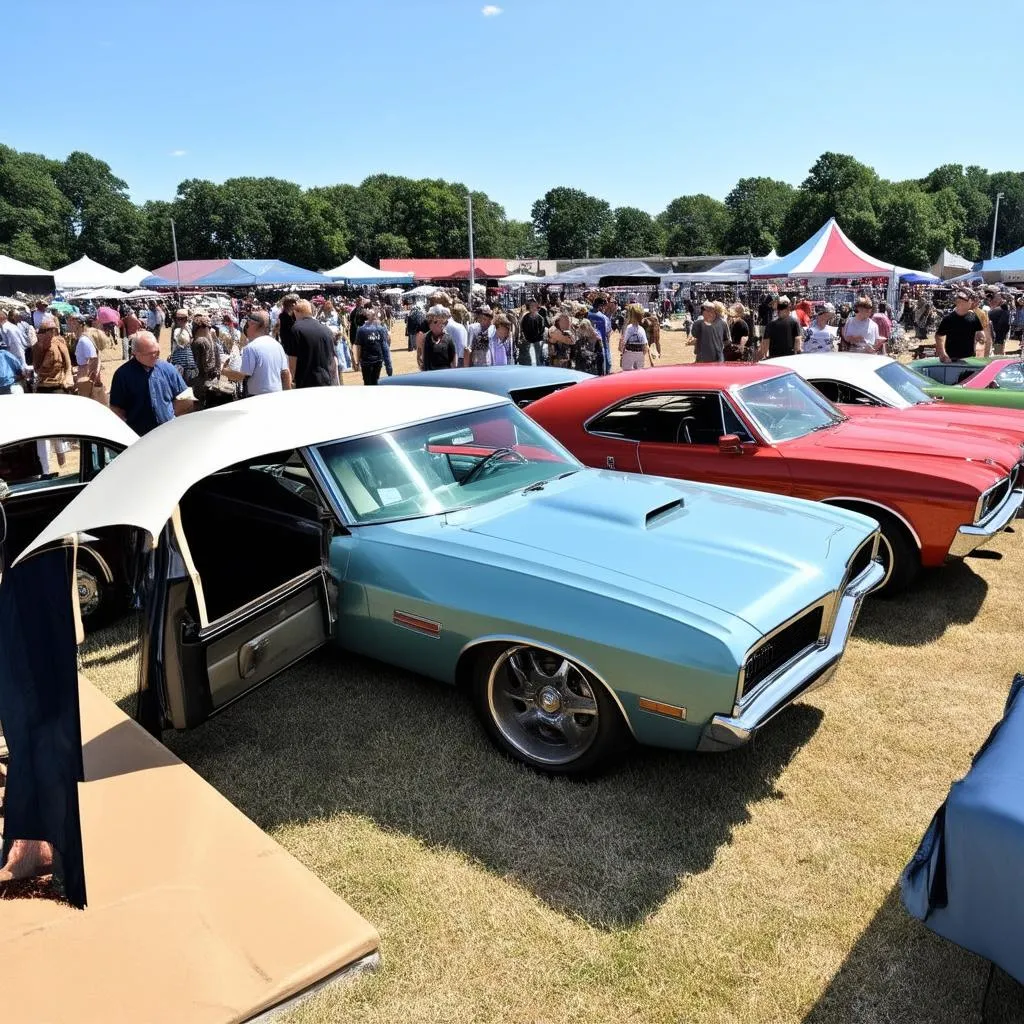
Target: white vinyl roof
pixel 143 486
pixel 85 273
pixel 857 368
pixel 27 417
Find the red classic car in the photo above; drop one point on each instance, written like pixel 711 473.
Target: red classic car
pixel 936 493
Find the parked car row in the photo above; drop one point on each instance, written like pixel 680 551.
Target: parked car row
pixel 595 560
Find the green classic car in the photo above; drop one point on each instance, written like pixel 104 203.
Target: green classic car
pixel 976 380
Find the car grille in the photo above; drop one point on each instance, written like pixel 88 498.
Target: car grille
pixel 777 650
pixel 997 495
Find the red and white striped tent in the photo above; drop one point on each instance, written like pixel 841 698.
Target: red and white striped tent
pixel 828 253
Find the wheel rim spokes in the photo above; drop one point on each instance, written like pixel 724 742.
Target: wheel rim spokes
pixel 543 704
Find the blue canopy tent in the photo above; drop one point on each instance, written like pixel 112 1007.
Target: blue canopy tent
pixel 260 273
pixel 1005 268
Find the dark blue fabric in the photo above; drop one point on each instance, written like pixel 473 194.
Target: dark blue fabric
pixel 146 394
pixel 39 711
pixel 964 882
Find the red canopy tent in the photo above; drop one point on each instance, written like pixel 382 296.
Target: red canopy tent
pixel 446 270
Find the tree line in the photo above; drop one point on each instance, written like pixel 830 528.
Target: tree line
pixel 53 211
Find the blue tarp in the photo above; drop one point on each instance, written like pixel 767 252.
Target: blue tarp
pixel 260 273
pixel 1011 261
pixel 964 882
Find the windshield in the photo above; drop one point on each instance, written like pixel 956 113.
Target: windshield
pixel 906 382
pixel 446 464
pixel 786 407
pixel 1011 378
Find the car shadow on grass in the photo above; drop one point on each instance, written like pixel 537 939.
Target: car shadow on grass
pixel 939 599
pixel 345 734
pixel 900 971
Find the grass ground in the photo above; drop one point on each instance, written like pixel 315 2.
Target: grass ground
pixel 747 887
pixel 758 886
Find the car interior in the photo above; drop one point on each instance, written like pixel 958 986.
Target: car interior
pixel 843 394
pixel 694 418
pixel 252 528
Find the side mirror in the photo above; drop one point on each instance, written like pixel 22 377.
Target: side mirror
pixel 730 444
pixel 994 386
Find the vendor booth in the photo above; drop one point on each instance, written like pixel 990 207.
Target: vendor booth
pixel 356 272
pixel 85 273
pixel 16 276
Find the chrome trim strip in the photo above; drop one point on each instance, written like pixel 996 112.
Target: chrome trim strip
pixel 511 638
pixel 970 537
pixel 795 679
pixel 416 623
pixel 877 504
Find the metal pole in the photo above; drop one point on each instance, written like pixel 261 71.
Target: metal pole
pixel 995 224
pixel 472 260
pixel 177 267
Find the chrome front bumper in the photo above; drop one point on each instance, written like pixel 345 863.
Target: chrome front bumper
pixel 970 537
pixel 800 676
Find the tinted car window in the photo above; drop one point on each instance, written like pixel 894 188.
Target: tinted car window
pixel 843 394
pixel 678 418
pixel 41 463
pixel 1011 378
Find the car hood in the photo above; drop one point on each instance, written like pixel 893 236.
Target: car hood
pixel 1000 424
pixel 759 557
pixel 891 432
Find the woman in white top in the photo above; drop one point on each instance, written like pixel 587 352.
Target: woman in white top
pixel 633 344
pixel 860 332
pixel 820 335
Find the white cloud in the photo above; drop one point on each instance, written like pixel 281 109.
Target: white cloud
pixel 490 11
pixel 178 152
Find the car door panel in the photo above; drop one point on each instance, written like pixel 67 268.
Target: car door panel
pixel 208 666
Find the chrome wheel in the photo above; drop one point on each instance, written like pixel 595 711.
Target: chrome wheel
pixel 88 592
pixel 886 556
pixel 543 704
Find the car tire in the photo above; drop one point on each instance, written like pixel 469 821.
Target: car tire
pixel 96 597
pixel 899 555
pixel 542 708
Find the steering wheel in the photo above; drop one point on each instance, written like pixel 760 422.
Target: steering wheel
pixel 498 453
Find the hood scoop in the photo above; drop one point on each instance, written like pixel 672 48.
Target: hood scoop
pixel 663 513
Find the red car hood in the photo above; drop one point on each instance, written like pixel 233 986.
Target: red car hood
pixel 891 431
pixel 1004 424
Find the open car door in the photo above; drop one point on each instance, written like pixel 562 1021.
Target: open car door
pixel 230 617
pixel 236 587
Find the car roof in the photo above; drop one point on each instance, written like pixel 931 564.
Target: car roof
pixel 143 486
pixel 814 363
pixel 497 380
pixel 25 417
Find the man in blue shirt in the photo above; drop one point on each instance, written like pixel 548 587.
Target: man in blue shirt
pixel 147 390
pixel 11 371
pixel 373 347
pixel 603 326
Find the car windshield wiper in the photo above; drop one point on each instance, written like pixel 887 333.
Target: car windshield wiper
pixel 541 484
pixel 825 426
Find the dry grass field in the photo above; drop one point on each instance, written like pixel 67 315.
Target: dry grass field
pixel 757 886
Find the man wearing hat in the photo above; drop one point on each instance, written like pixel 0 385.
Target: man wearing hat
pixel 710 334
pixel 478 345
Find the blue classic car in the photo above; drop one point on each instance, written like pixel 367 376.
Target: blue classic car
pixel 443 531
pixel 522 384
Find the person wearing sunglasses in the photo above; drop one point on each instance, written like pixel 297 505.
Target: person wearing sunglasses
pixel 960 331
pixel 860 332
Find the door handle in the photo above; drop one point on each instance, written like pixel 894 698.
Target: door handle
pixel 250 655
pixel 609 462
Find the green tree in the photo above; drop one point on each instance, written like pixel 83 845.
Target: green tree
pixel 156 249
pixel 32 206
pixel 758 209
pixel 571 222
pixel 635 233
pixel 522 241
pixel 695 226
pixel 386 246
pixel 1010 235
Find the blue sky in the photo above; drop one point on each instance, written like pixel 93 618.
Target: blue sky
pixel 636 102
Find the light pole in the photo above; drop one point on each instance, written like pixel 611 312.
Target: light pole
pixel 472 261
pixel 177 266
pixel 995 224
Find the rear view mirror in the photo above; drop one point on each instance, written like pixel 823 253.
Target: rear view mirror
pixel 730 444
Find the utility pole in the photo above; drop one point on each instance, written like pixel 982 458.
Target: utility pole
pixel 995 224
pixel 177 267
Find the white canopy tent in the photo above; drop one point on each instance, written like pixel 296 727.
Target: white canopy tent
pixel 132 277
pixel 949 264
pixel 102 293
pixel 355 271
pixel 520 279
pixel 85 273
pixel 143 293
